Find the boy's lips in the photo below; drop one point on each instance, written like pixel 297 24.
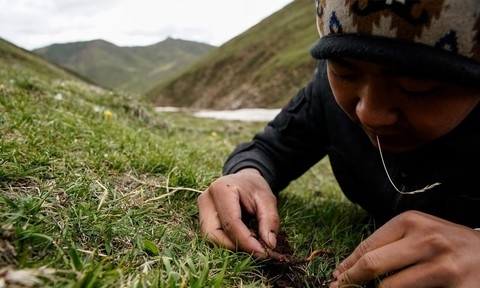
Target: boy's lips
pixel 392 142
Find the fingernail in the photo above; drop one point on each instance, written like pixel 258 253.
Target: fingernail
pixel 335 274
pixel 333 284
pixel 272 240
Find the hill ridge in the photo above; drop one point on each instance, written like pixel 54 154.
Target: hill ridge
pixel 260 68
pixel 130 68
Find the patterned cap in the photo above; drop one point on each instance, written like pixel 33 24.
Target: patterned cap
pixel 434 38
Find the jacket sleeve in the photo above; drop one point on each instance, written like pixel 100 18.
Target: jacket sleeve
pixel 292 142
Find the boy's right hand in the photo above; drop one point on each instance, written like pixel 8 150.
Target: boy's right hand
pixel 221 206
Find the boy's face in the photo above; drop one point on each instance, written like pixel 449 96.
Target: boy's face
pixel 404 112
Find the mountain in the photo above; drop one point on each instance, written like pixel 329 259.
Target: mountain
pixel 22 62
pixel 262 67
pixel 133 69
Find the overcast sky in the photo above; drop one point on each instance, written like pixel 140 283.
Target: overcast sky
pixel 33 24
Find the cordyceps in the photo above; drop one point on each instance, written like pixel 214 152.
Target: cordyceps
pixel 283 269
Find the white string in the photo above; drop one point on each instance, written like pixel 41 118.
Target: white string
pixel 428 187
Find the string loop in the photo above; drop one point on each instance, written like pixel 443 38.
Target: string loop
pixel 426 188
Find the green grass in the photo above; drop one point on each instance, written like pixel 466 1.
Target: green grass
pixel 97 190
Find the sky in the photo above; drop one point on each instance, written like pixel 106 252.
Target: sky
pixel 33 24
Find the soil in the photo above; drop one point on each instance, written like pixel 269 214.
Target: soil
pixel 283 269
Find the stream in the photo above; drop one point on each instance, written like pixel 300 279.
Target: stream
pixel 246 114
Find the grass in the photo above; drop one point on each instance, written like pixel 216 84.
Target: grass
pixel 97 190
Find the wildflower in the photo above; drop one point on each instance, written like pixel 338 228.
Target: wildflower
pixel 107 114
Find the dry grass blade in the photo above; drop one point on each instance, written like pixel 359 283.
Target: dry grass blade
pixel 10 277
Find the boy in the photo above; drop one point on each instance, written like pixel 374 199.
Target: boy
pixel 394 105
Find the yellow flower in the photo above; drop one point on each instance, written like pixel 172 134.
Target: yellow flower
pixel 214 134
pixel 107 114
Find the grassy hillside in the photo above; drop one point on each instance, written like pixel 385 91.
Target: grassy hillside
pixel 97 190
pixel 262 67
pixel 133 69
pixel 20 61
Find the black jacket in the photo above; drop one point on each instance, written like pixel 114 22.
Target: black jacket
pixel 312 126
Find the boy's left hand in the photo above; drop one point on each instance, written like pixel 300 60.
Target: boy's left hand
pixel 414 249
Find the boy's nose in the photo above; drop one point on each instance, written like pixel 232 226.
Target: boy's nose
pixel 376 106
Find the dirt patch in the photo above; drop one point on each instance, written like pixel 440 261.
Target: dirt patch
pixel 283 269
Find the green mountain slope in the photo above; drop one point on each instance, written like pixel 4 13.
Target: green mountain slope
pixel 133 69
pixel 21 62
pixel 262 67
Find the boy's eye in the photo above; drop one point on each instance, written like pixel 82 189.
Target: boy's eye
pixel 417 86
pixel 340 71
pixel 343 75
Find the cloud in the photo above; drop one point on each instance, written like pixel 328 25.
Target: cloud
pixel 32 24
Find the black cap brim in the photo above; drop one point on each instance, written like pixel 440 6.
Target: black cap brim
pixel 413 58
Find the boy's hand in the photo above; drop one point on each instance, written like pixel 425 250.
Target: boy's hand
pixel 414 250
pixel 221 207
